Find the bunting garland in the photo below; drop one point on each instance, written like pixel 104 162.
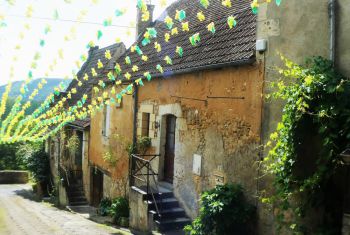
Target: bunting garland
pixel 51 116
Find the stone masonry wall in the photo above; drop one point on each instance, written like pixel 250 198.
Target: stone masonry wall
pixel 218 118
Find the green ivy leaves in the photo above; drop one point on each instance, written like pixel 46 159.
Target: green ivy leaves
pixel 315 94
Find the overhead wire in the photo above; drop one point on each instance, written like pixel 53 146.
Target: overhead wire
pixel 69 21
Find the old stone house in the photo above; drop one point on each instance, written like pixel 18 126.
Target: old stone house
pixel 69 149
pixel 202 115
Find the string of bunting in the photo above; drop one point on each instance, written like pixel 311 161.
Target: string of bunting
pixel 53 115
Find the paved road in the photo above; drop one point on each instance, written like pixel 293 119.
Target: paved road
pixel 20 215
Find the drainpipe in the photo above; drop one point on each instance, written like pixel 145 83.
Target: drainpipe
pixel 332 30
pixel 134 131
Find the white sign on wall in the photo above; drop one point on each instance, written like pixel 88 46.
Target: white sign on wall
pixel 197 163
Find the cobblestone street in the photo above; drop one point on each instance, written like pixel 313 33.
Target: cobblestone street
pixel 20 215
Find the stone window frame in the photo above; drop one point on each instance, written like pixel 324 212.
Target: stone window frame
pixel 146 111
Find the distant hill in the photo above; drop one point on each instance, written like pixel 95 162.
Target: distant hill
pixel 44 92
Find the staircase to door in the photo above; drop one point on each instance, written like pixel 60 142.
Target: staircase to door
pixel 75 191
pixel 73 182
pixel 163 208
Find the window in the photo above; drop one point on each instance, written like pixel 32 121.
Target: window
pixel 106 120
pixel 145 124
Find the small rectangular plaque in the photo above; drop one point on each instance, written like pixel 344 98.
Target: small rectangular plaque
pixel 197 162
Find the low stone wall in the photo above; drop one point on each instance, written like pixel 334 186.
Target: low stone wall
pixel 14 177
pixel 138 212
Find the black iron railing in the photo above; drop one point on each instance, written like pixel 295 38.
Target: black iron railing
pixel 142 172
pixel 69 176
pixel 64 175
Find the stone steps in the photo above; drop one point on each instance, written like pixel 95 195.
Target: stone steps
pixel 75 193
pixel 171 216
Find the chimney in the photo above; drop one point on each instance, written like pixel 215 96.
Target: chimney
pixel 142 25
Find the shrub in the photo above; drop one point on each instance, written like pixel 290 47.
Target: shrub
pixel 8 158
pixel 119 209
pixel 224 210
pixel 38 164
pixel 105 206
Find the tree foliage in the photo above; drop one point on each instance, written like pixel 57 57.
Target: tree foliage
pixel 9 160
pixel 39 165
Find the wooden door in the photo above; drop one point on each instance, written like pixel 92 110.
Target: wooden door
pixel 169 148
pixel 97 187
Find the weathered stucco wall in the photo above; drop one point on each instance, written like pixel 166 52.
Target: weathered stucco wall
pixel 298 30
pixel 218 117
pixel 120 136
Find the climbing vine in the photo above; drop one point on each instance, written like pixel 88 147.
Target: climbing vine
pixel 73 144
pixel 314 125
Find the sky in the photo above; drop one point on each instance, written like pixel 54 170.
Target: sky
pixel 72 24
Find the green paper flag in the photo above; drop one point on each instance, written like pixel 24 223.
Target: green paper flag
pixel 145 41
pixel 152 32
pixel 118 12
pixel 47 29
pixel 204 3
pixel 179 51
pixel 182 15
pixel 211 27
pixel 231 22
pixel 99 34
pixel 148 76
pixel 127 60
pixel 141 82
pixel 138 50
pixel 107 22
pixel 194 39
pixel 278 2
pixel 110 76
pixel 168 60
pixel 160 68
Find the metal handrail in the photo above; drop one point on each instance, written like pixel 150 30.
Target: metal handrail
pixel 147 163
pixel 66 177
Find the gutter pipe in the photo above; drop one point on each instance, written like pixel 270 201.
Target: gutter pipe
pixel 134 133
pixel 332 30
